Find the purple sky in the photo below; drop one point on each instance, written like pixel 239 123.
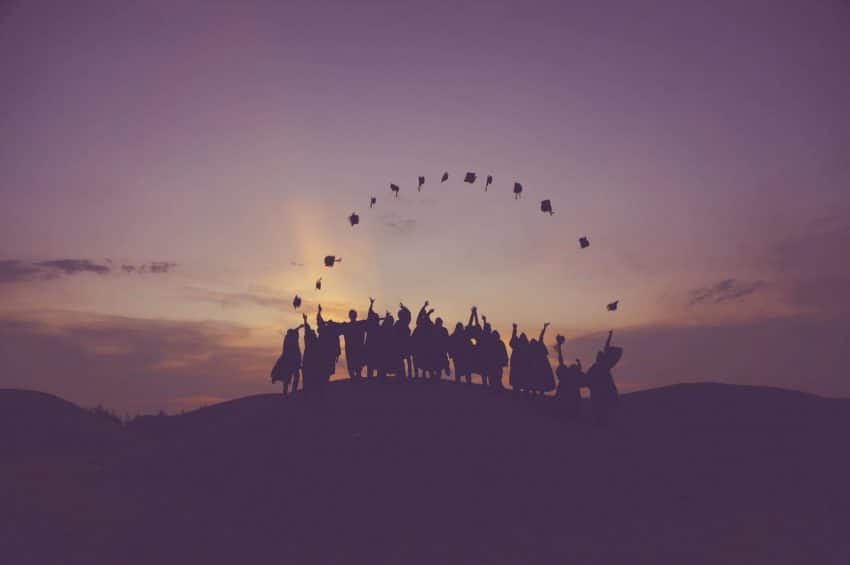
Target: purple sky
pixel 704 147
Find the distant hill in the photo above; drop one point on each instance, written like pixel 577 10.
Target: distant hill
pixel 422 473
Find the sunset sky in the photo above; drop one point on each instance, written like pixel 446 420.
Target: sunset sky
pixel 216 149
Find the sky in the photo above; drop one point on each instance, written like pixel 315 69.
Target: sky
pixel 173 173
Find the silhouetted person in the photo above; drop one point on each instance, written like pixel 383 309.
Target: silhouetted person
pixel 473 338
pixel 569 384
pixel 519 361
pixel 421 344
pixel 603 391
pixel 389 360
pixel 354 332
pixel 402 341
pixel 438 346
pixel 540 372
pixel 499 360
pixel 287 369
pixel 373 342
pixel 459 349
pixel 311 366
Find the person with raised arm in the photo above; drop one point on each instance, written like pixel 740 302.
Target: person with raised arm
pixel 354 333
pixel 473 336
pixel 603 391
pixel 419 342
pixel 568 392
pixel 540 372
pixel 518 378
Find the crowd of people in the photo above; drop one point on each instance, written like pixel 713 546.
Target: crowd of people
pixel 386 349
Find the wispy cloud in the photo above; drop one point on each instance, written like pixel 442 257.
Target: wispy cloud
pixel 724 291
pixel 17 271
pixel 394 223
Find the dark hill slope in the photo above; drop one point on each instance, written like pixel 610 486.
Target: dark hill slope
pixel 419 473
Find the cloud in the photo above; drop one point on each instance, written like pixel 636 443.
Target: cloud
pixel 12 271
pixel 230 299
pixel 74 266
pixel 17 271
pixel 394 223
pixel 725 290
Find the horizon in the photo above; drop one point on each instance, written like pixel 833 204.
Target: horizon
pixel 165 165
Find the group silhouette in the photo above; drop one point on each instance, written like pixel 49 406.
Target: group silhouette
pixel 386 349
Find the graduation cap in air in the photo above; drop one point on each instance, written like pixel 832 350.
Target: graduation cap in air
pixel 613 305
pixel 331 259
pixel 489 182
pixel 546 206
pixel 470 178
pixel 584 242
pixel 394 188
pixel 296 302
pixel 354 219
pixel 517 190
pixel 421 182
pixel 319 283
pixel 372 201
pixel 445 177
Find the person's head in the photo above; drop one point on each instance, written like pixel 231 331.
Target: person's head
pixel 487 328
pixel 523 339
pixel 458 327
pixel 352 315
pixel 496 335
pixel 438 322
pixel 388 320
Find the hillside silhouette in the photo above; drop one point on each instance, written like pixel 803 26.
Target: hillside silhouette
pixel 415 473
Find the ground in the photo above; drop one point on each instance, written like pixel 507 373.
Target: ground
pixel 423 473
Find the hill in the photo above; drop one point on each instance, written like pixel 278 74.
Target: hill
pixel 421 473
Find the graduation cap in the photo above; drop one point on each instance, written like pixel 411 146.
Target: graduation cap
pixel 470 178
pixel 517 190
pixel 394 188
pixel 584 242
pixel 354 219
pixel 489 182
pixel 613 305
pixel 421 182
pixel 546 206
pixel 445 177
pixel 372 201
pixel 296 302
pixel 319 283
pixel 330 260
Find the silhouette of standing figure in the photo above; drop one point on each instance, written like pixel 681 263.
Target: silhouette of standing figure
pixel 459 351
pixel 499 360
pixel 287 369
pixel 311 363
pixel 474 338
pixel 420 343
pixel 373 340
pixel 328 352
pixel 402 341
pixel 518 378
pixel 354 332
pixel 540 372
pixel 438 347
pixel 569 384
pixel 603 391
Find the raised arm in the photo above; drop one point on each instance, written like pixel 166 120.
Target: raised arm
pixel 306 324
pixel 558 344
pixel 422 313
pixel 543 331
pixel 608 341
pixel 319 320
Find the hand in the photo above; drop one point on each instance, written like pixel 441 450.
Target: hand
pixel 305 317
pixel 371 300
pixel 484 318
pixel 320 308
pixel 546 325
pixel 426 304
pixel 474 309
pixel 514 325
